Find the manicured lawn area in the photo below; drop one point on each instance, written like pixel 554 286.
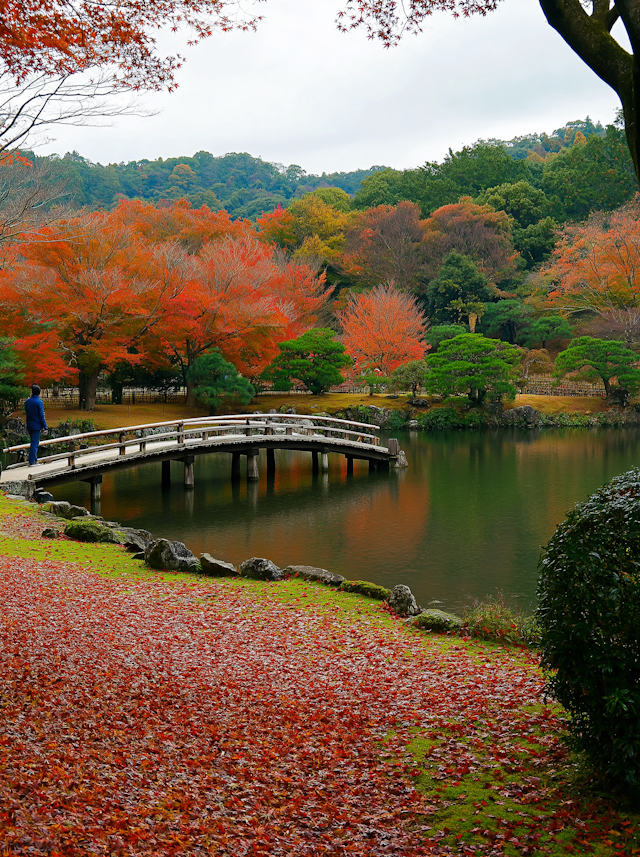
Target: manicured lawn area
pixel 114 416
pixel 148 713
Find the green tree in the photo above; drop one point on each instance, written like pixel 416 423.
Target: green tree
pixel 374 382
pixel 409 376
pixel 521 200
pixel 595 176
pixel 335 197
pixel 474 366
pixel 605 359
pixel 12 388
pixel 459 284
pixel 314 358
pixel 215 381
pixel 548 327
pixel 441 332
pixel 507 318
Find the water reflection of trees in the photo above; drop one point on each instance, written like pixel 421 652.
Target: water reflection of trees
pixel 466 518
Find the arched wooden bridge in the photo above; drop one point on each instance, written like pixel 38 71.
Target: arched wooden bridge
pixel 86 458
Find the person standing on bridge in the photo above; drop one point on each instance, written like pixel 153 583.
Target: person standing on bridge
pixel 36 422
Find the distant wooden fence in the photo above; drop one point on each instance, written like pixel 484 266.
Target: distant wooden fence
pixel 547 385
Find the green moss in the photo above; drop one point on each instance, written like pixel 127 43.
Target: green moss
pixel 363 587
pixel 89 530
pixel 437 620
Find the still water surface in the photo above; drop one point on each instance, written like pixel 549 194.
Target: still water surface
pixel 465 520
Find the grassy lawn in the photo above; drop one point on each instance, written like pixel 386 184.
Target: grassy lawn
pixel 114 416
pixel 286 716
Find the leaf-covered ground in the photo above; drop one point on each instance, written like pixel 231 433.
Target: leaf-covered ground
pixel 157 714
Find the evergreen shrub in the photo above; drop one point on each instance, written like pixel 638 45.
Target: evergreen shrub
pixel 589 613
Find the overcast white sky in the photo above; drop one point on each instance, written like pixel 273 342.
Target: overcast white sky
pixel 297 91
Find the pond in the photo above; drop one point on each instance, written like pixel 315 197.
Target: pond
pixel 465 520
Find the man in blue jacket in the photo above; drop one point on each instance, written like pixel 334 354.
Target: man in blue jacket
pixel 35 422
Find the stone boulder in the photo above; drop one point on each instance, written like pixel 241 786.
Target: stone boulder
pixel 364 587
pixel 21 488
pixel 523 415
pixel 59 508
pixel 50 533
pixel 258 568
pixel 42 496
pixel 135 541
pixel 403 601
pixel 401 460
pixel 418 402
pixel 310 572
pixel 170 556
pixel 90 530
pixel 437 620
pixel 216 567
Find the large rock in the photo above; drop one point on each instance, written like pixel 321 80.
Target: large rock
pixel 364 587
pixel 170 556
pixel 258 568
pixel 90 530
pixel 523 415
pixel 401 460
pixel 16 426
pixel 437 620
pixel 135 540
pixel 22 488
pixel 310 572
pixel 403 601
pixel 216 567
pixel 59 508
pixel 62 509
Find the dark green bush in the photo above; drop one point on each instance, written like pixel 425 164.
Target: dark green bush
pixel 589 597
pixel 441 419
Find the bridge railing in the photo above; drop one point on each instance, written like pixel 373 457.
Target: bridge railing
pixel 202 428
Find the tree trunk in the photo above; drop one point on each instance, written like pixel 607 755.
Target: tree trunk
pixel 116 392
pixel 589 36
pixel 190 400
pixel 88 384
pixel 607 386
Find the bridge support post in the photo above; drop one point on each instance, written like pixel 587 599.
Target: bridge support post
pixel 271 462
pixel 166 474
pixel 314 463
pixel 324 462
pixel 96 487
pixel 189 480
pixel 373 465
pixel 349 464
pixel 253 473
pixel 235 466
pixel 393 446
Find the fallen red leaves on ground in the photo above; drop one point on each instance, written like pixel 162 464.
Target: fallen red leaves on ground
pixel 145 716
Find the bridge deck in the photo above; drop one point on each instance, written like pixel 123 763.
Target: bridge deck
pixel 238 435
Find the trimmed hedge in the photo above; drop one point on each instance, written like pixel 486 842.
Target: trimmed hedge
pixel 589 613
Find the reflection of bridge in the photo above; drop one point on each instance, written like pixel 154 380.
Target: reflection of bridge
pixel 238 435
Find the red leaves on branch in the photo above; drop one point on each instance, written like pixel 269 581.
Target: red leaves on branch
pixel 61 37
pixel 383 329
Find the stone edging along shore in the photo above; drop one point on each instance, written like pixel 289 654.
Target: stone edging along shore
pixel 77 523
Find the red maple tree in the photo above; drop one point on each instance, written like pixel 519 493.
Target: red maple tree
pixel 383 329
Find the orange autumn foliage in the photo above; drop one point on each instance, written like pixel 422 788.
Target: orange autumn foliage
pixel 57 38
pixel 596 265
pixel 383 329
pixel 146 285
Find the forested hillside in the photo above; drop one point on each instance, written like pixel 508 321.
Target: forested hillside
pixel 580 167
pixel 237 182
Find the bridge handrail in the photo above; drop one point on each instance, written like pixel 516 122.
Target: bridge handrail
pixel 371 440
pixel 241 418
